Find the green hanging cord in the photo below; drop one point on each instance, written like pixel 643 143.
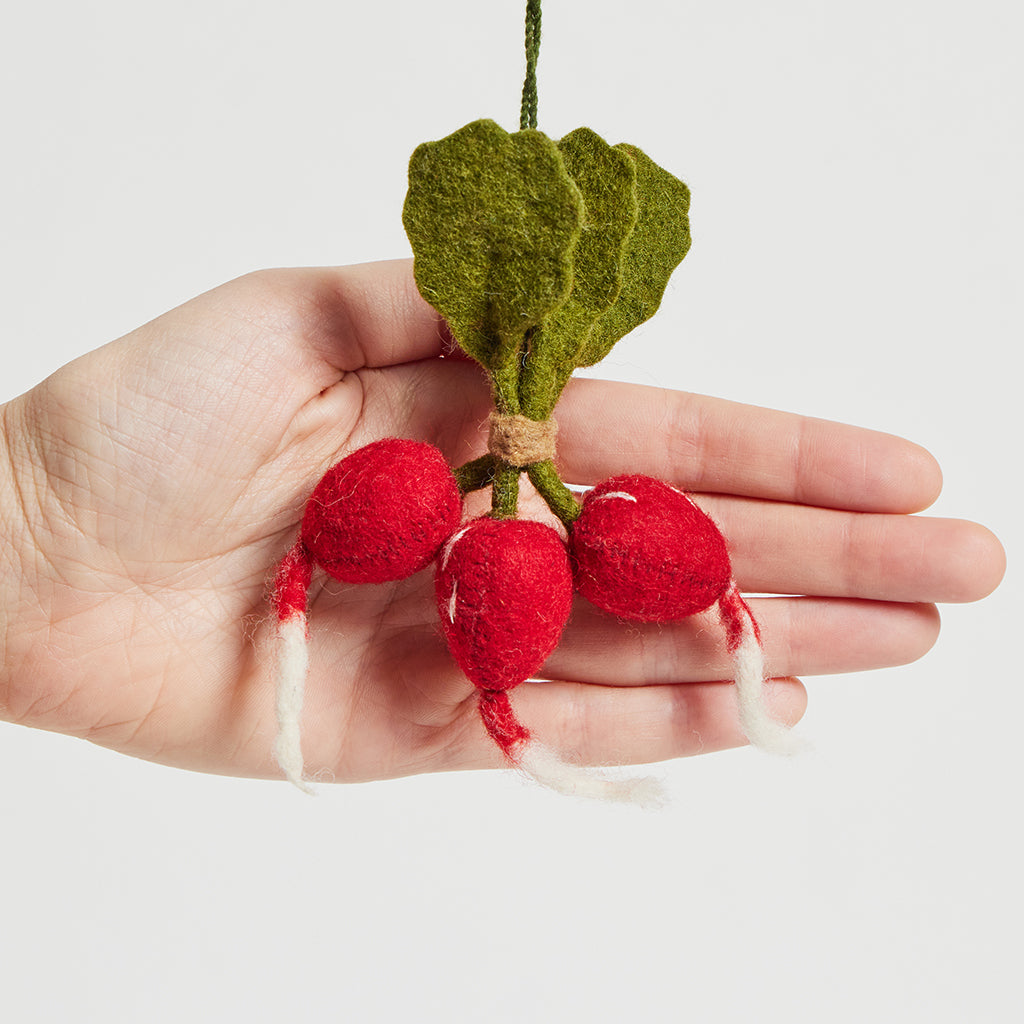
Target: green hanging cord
pixel 528 111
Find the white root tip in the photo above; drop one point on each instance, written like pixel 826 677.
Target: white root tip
pixel 292 665
pixel 758 726
pixel 547 768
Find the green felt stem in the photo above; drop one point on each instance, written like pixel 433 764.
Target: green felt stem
pixel 476 475
pixel 559 498
pixel 505 491
pixel 544 374
pixel 505 385
pixel 537 379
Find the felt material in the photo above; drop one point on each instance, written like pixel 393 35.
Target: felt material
pixel 541 256
pixel 606 178
pixel 547 768
pixel 504 592
pixel 291 587
pixel 292 665
pixel 657 245
pixel 493 219
pixel 291 584
pixel 744 641
pixel 643 550
pixel 505 491
pixel 476 474
pixel 549 486
pixel 501 723
pixel 737 618
pixel 520 441
pixel 382 513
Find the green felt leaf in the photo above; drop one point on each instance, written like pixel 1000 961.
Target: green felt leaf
pixel 493 219
pixel 606 179
pixel 659 241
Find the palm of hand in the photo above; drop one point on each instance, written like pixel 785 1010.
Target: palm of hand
pixel 169 473
pixel 163 476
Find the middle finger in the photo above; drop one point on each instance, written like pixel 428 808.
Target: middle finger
pixel 778 548
pixel 808 636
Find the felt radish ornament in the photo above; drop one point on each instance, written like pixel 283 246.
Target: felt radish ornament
pixel 504 593
pixel 379 515
pixel 643 550
pixel 382 513
pixel 540 255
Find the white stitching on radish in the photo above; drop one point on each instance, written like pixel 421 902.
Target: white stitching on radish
pixel 451 602
pixel 451 544
pixel 615 494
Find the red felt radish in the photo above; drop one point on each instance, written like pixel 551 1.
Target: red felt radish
pixel 643 550
pixel 504 593
pixel 380 514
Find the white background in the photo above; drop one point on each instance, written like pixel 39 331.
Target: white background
pixel 856 173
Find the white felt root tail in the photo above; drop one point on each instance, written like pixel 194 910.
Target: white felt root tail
pixel 547 768
pixel 291 668
pixel 758 726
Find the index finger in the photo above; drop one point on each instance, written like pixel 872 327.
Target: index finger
pixel 713 445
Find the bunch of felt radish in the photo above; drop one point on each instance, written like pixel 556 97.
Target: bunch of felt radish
pixel 540 255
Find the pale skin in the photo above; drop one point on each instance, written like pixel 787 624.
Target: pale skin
pixel 148 489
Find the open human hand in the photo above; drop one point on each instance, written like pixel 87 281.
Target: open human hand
pixel 148 489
